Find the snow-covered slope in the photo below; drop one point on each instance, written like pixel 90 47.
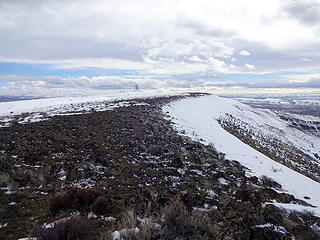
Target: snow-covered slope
pixel 198 117
pixel 39 109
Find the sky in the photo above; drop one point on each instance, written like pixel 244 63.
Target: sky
pixel 65 47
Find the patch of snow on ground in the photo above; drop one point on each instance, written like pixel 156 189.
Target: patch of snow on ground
pixel 116 235
pixel 223 181
pixel 279 229
pixel 62 220
pixel 94 216
pixel 3 225
pixel 62 175
pixel 51 225
pixel 28 238
pixel 211 194
pixel 206 208
pixel 83 183
pixel 197 117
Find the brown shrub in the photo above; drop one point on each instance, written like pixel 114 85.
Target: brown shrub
pixel 101 205
pixel 60 201
pixel 179 223
pixel 76 228
pixel 85 197
pixel 74 198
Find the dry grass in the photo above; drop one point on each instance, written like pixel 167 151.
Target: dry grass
pixel 131 228
pixel 181 223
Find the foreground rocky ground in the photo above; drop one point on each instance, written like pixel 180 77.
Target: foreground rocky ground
pixel 127 174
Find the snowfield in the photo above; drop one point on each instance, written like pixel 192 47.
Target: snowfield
pixel 197 118
pixel 38 109
pixel 47 104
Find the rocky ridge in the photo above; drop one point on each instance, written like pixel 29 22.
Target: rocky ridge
pixel 128 174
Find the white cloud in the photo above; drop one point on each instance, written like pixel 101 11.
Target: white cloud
pixel 304 60
pixel 168 37
pixel 250 67
pixel 244 53
pixel 182 56
pixel 217 65
pixel 305 77
pixel 195 59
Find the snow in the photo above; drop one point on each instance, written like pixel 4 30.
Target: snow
pixel 223 181
pixel 36 110
pixel 277 129
pixel 108 218
pixel 53 224
pixel 206 208
pixel 211 194
pixel 94 216
pixel 41 193
pixel 3 225
pixel 268 125
pixel 62 175
pixel 8 192
pixel 61 220
pixel 83 183
pixel 197 117
pixel 315 227
pixel 279 229
pixel 282 102
pixel 306 118
pixel 49 104
pixel 198 172
pixel 28 238
pixel 116 235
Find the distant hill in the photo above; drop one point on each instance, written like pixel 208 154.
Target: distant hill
pixel 15 98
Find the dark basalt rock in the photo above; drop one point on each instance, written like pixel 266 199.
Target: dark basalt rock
pixel 303 232
pixel 285 198
pixel 164 196
pixel 272 214
pixel 268 234
pixel 139 201
pixel 250 195
pixel 176 162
